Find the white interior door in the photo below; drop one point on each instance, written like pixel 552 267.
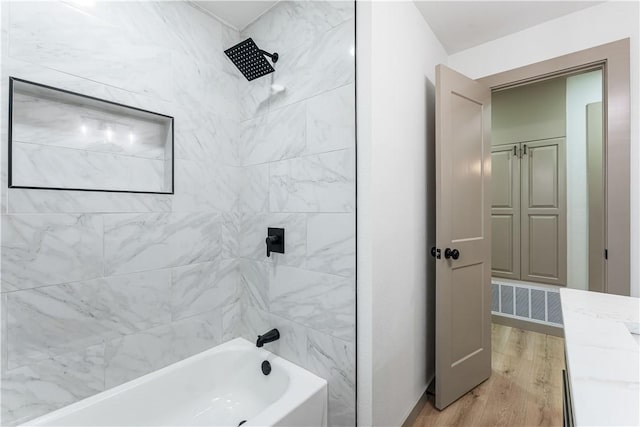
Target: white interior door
pixel 463 236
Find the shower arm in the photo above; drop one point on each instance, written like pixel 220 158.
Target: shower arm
pixel 274 56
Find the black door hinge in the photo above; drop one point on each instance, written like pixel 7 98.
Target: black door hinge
pixel 606 254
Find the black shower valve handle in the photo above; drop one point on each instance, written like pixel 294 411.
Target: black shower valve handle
pixel 275 240
pixel 270 240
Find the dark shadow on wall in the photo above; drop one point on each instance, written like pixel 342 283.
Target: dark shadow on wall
pixel 430 142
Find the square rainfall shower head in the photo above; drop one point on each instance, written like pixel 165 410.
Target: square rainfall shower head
pixel 249 59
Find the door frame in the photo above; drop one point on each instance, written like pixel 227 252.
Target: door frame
pixel 613 59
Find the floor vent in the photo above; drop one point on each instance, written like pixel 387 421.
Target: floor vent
pixel 527 302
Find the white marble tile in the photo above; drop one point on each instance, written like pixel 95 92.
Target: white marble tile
pixel 232 321
pixel 252 235
pixel 48 201
pixel 229 234
pixel 274 136
pixel 134 19
pixel 39 73
pixel 317 183
pixel 203 187
pixel 228 36
pixel 3 334
pixel 331 243
pixel 4 175
pixel 254 276
pixel 295 227
pixel 255 96
pixel 321 301
pixel 335 361
pixel 139 242
pixel 42 250
pixel 46 33
pixel 224 187
pixel 203 287
pixel 37 389
pixel 134 355
pixel 253 193
pixel 326 63
pixel 331 120
pixel 193 179
pixel 209 87
pixel 12 67
pixel 196 334
pixel 37 165
pixel 253 232
pixel 188 79
pixel 207 137
pixel 292 344
pixel 53 320
pixel 160 56
pixel 290 24
pixel 4 31
pixel 221 87
pixel 193 32
pixel 208 132
pixel 254 322
pixel 56 119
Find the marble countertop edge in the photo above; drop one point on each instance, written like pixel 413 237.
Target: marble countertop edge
pixel 602 357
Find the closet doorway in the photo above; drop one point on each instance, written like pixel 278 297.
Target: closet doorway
pixel 561 199
pixel 548 189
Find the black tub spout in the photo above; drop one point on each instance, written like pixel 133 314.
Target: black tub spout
pixel 270 336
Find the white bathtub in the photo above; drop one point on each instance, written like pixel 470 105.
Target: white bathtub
pixel 218 387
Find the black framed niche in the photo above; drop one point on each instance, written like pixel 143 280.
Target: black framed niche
pixel 63 140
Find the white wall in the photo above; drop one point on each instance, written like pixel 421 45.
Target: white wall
pixel 582 89
pixel 396 54
pixel 581 30
pixel 395 145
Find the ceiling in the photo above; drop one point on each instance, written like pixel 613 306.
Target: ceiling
pixel 239 13
pixel 460 25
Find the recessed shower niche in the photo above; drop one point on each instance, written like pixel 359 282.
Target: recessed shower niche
pixel 68 141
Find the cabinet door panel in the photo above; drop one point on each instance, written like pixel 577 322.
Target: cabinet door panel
pixel 543 212
pixel 505 211
pixel 543 176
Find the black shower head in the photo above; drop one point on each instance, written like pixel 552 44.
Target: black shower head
pixel 251 60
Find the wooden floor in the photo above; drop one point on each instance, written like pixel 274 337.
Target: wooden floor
pixel 525 388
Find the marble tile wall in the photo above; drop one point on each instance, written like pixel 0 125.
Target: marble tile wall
pixel 100 288
pixel 99 146
pixel 297 151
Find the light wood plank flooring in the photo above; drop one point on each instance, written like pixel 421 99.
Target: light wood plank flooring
pixel 525 388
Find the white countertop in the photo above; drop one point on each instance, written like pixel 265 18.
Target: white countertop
pixel 602 357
